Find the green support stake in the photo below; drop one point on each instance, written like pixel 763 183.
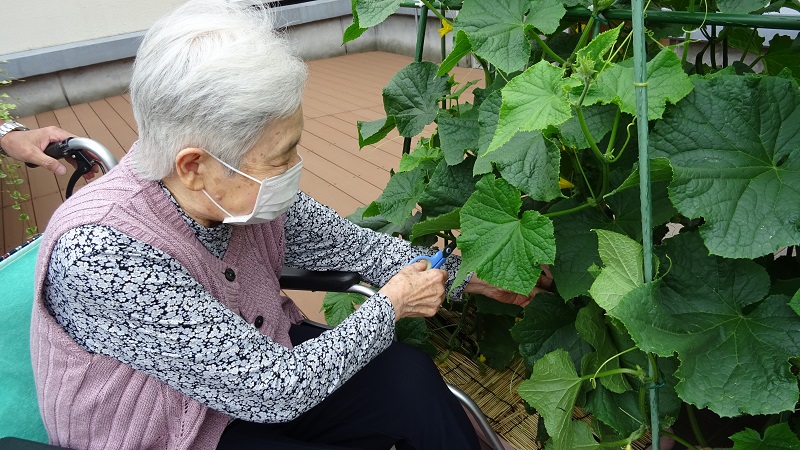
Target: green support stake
pixel 423 21
pixel 645 195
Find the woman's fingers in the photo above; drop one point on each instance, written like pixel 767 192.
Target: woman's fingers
pixel 415 291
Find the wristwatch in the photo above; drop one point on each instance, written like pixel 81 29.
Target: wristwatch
pixel 8 127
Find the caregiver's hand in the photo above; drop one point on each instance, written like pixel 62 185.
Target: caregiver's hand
pixel 415 291
pixel 478 286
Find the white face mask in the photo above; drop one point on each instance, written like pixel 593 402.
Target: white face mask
pixel 275 196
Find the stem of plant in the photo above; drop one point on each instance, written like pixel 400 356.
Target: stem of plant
pixel 679 440
pixel 695 427
pixel 436 12
pixel 565 212
pixel 749 43
pixel 686 36
pixel 586 133
pixel 585 179
pixel 547 48
pixel 581 41
pixel 452 341
pixel 608 373
pixel 486 72
pixel 613 138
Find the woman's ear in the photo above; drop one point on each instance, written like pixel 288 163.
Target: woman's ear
pixel 191 167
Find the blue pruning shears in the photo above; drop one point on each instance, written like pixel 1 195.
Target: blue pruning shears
pixel 436 261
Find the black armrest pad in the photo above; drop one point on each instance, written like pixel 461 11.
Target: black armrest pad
pixel 308 280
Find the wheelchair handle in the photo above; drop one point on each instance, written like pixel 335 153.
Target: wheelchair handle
pixel 86 153
pixel 74 145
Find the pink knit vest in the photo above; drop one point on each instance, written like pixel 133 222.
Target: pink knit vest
pixel 92 401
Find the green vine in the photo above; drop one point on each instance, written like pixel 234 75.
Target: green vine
pixel 10 172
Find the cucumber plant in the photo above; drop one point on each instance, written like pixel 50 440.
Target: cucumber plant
pixel 538 167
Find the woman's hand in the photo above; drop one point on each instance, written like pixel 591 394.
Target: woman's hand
pixel 478 286
pixel 415 291
pixel 28 146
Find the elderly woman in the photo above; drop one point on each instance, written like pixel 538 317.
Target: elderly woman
pixel 159 323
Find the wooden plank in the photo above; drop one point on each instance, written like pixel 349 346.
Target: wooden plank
pixel 44 207
pixel 69 122
pixel 43 182
pixel 328 195
pixel 380 158
pixel 116 125
pixel 339 177
pixel 356 165
pixel 97 130
pixel 123 108
pixel 14 229
pixel 310 303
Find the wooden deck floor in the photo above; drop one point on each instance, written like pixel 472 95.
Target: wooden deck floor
pixel 340 91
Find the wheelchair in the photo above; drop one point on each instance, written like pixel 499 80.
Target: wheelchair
pixel 17 272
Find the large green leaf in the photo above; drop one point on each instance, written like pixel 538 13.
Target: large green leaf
pixel 449 188
pixel 530 162
pixel 488 115
pixel 740 6
pixel 666 82
pixel 734 147
pixel 626 206
pixel 496 31
pixel 504 249
pixel 599 121
pixel 745 39
pixel 552 391
pixel 576 242
pixel 533 100
pixel 591 325
pixel 548 324
pixel 783 53
pixel 461 47
pixel 354 31
pixel 546 15
pixel 623 271
pixel 494 340
pixel 400 196
pixel 447 221
pixel 414 331
pixel 619 411
pixel 424 156
pixel 458 134
pixel 373 132
pixel 733 343
pixel 660 170
pixel 776 437
pixel 338 305
pixel 600 46
pixel 373 12
pixel 411 96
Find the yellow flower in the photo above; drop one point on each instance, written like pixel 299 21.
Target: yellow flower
pixel 482 358
pixel 446 28
pixel 564 184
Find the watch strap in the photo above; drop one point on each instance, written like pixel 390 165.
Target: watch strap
pixel 8 127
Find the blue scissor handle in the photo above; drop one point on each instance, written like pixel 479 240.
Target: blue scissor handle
pixel 436 261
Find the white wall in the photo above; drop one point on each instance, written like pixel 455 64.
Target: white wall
pixel 34 24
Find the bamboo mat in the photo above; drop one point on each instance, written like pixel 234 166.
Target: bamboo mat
pixel 495 392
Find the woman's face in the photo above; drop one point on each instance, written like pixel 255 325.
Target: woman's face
pixel 274 153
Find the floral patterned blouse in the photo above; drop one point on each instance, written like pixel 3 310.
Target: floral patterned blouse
pixel 120 297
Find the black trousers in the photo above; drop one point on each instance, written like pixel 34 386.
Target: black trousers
pixel 398 399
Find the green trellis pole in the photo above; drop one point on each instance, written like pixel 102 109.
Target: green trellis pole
pixel 423 21
pixel 645 195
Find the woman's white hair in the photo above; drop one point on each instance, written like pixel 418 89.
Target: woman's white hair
pixel 210 75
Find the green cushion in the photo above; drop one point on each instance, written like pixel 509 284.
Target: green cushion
pixel 19 411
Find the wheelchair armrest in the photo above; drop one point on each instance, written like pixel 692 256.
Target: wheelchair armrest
pixel 309 280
